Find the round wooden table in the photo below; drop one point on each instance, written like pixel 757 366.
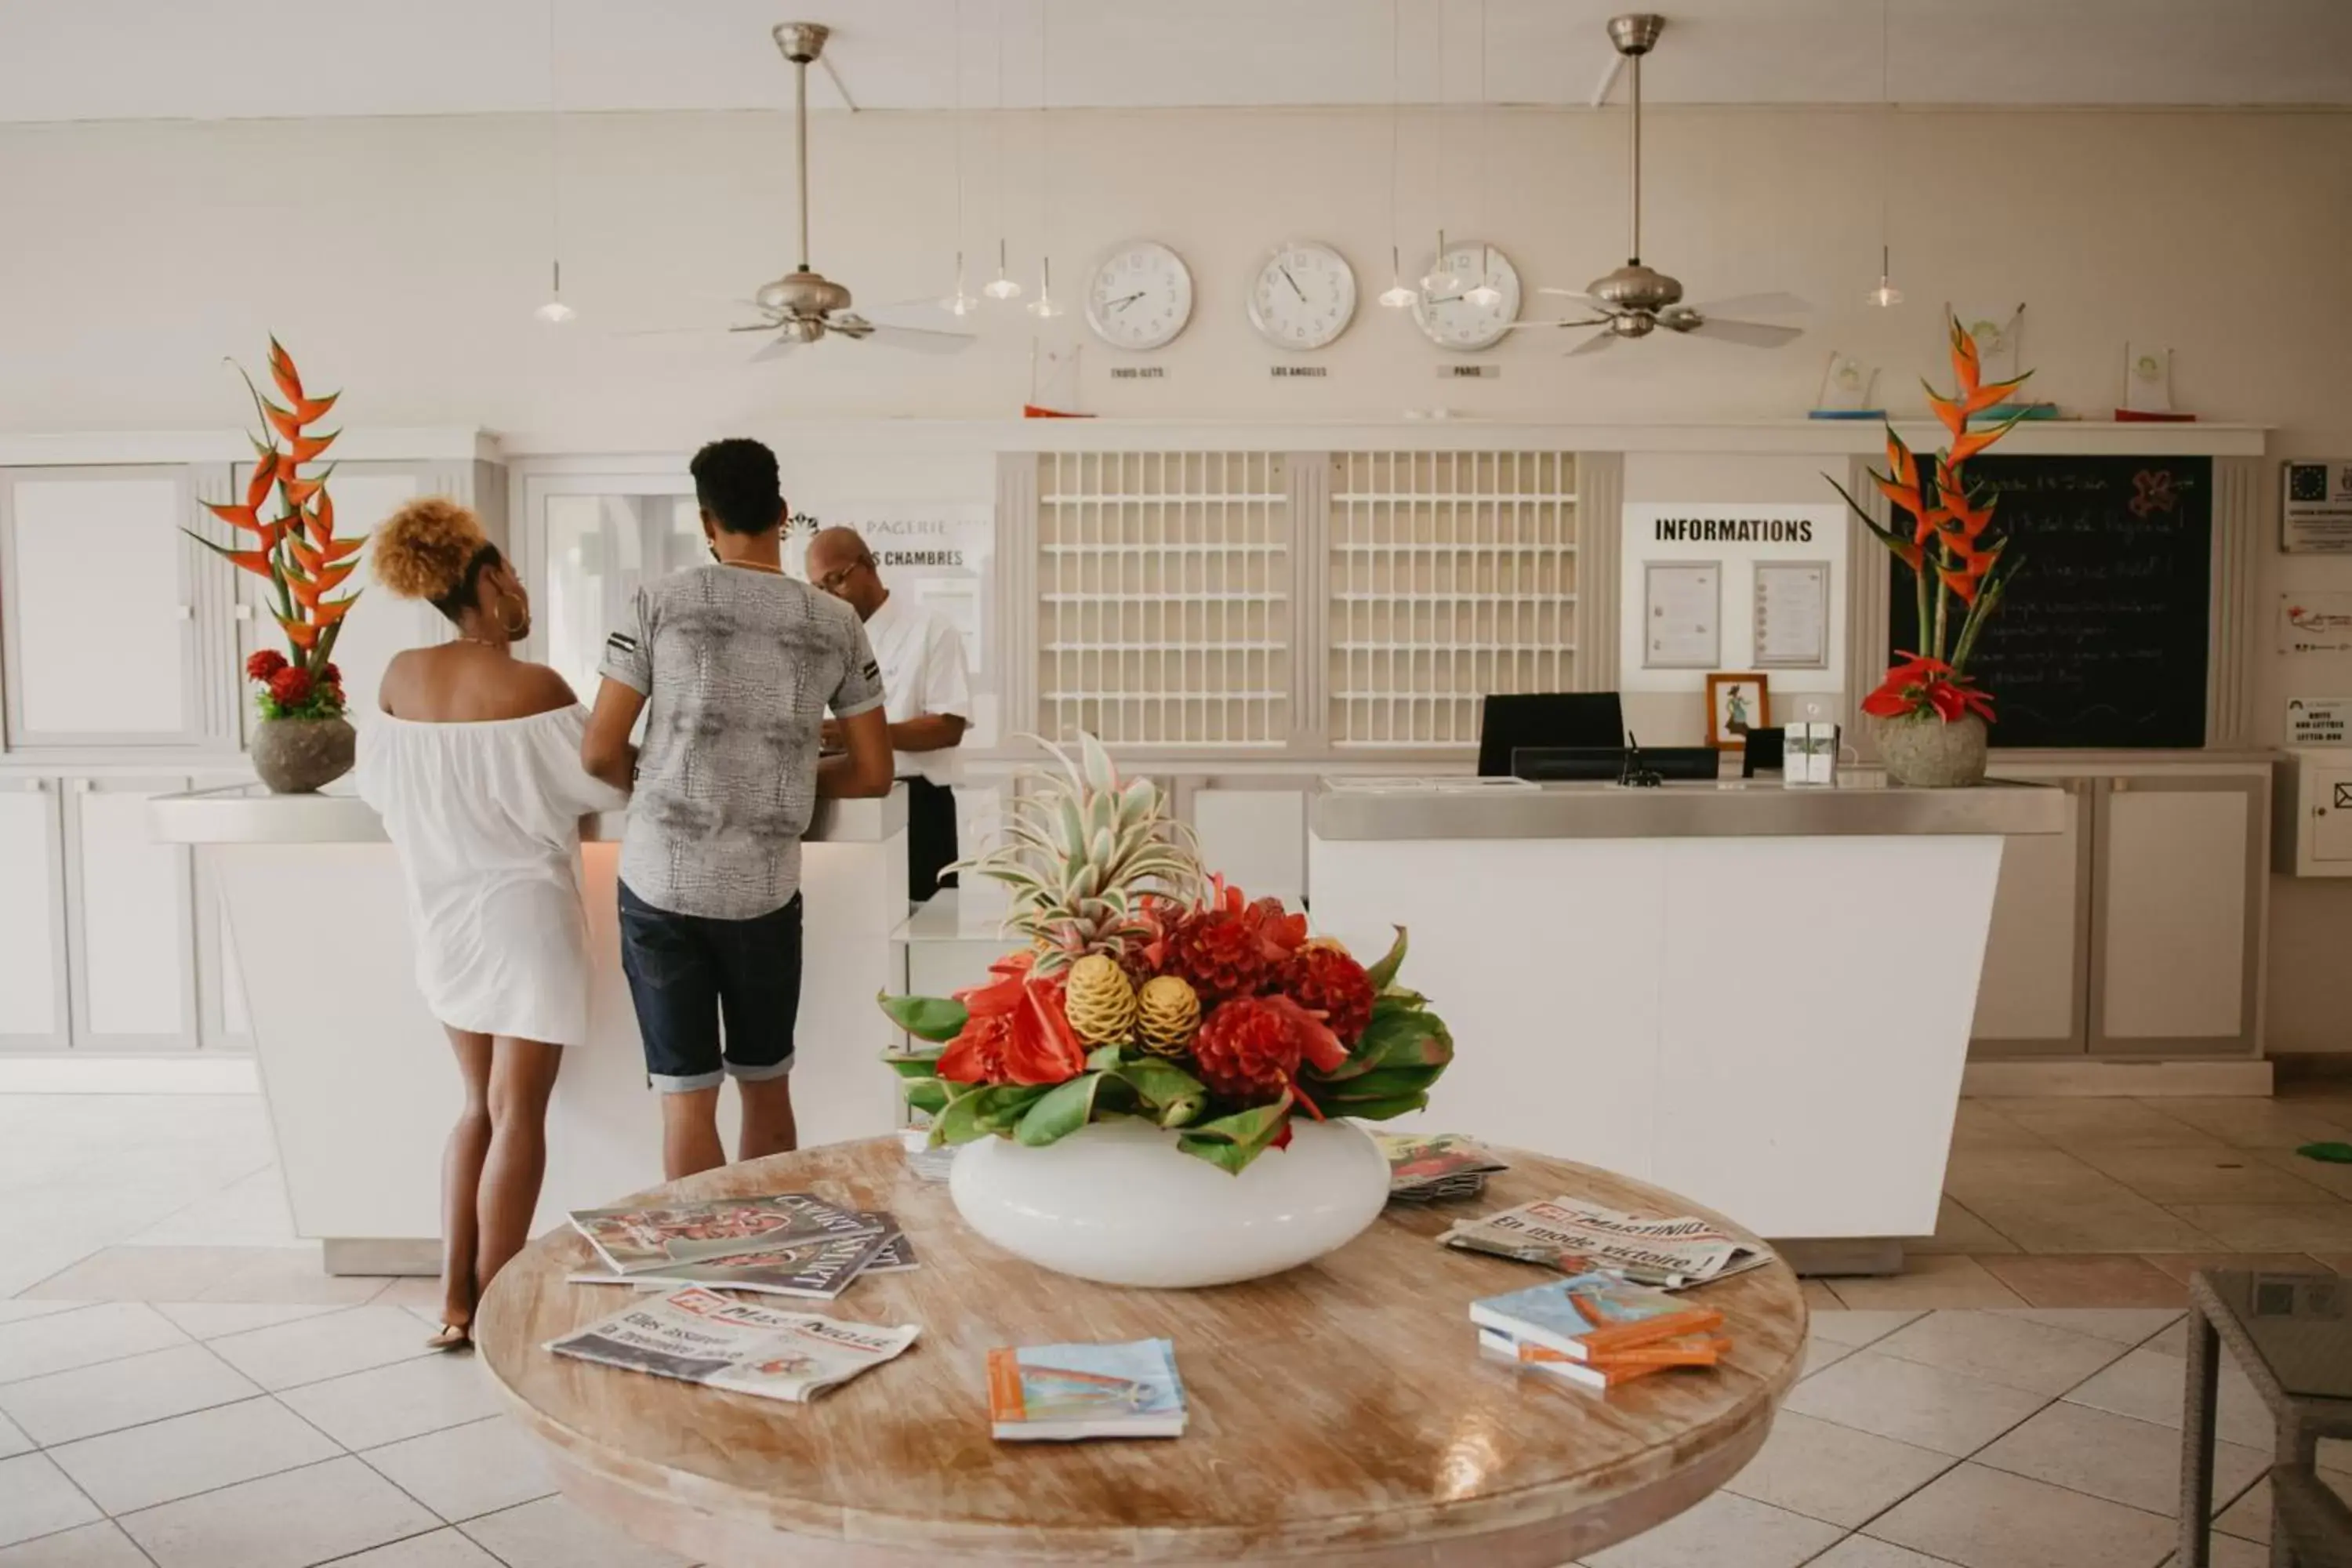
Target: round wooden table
pixel 1339 1414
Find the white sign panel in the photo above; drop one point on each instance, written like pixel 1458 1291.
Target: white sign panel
pixel 1792 615
pixel 1682 616
pixel 2316 499
pixel 2319 722
pixel 1732 585
pixel 2316 623
pixel 939 553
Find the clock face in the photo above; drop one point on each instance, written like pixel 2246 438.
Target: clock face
pixel 1141 296
pixel 1452 320
pixel 1304 297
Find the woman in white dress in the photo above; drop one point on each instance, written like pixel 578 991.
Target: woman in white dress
pixel 474 764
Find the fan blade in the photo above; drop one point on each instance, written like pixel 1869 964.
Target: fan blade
pixel 776 349
pixel 1522 326
pixel 1754 335
pixel 922 340
pixel 1594 344
pixel 1756 304
pixel 1576 294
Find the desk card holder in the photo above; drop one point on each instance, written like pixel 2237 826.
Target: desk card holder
pixel 1849 390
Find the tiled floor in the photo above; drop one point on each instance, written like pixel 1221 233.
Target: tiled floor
pixel 181 1387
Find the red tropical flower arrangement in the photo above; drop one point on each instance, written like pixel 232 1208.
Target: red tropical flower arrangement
pixel 295 551
pixel 1954 557
pixel 1148 990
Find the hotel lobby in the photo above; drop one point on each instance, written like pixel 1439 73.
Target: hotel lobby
pixel 1673 682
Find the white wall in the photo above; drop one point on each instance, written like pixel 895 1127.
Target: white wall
pixel 401 259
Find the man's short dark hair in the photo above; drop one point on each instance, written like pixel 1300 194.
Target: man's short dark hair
pixel 735 485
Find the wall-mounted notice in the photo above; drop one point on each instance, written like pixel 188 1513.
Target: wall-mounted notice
pixel 2317 501
pixel 2316 623
pixel 1681 614
pixel 1792 615
pixel 939 553
pixel 2319 721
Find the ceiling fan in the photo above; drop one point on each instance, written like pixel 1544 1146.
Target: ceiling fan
pixel 1635 301
pixel 804 305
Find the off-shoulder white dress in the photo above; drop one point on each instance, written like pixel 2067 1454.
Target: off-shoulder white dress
pixel 486 818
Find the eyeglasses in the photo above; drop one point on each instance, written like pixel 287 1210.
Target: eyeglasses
pixel 832 581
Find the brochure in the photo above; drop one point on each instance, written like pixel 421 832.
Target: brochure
pixel 1060 1392
pixel 1577 1238
pixel 698 1336
pixel 638 1240
pixel 1425 1167
pixel 1588 1316
pixel 1605 1372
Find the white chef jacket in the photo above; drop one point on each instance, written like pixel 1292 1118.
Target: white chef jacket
pixel 921 656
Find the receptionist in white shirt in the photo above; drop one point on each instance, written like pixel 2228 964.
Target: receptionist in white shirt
pixel 926 696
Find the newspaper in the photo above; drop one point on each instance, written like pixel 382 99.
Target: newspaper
pixel 1574 1237
pixel 637 1240
pixel 822 1269
pixel 1429 1167
pixel 698 1336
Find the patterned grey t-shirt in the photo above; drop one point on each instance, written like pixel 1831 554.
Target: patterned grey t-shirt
pixel 739 668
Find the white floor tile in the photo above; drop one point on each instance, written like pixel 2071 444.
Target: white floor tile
pixel 407 1399
pixel 63 1340
pixel 442 1549
pixel 37 1498
pixel 251 1213
pixel 2125 1325
pixel 287 1520
pixel 554 1533
pixel 99 1545
pixel 1859 1329
pixel 83 1402
pixel 316 1349
pixel 1862 1551
pixel 189 1454
pixel 1986 1519
pixel 18 1309
pixel 1821 1354
pixel 2153 1386
pixel 211 1320
pixel 2117 1458
pixel 469 1471
pixel 2002 1347
pixel 1826 1471
pixel 1913 1402
pixel 13 1440
pixel 1721 1530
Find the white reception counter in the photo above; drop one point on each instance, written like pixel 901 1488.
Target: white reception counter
pixel 1756 994
pixel 359 1079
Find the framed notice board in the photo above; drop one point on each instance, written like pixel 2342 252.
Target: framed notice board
pixel 2102 638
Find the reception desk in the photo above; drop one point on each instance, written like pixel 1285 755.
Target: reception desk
pixel 1756 994
pixel 359 1078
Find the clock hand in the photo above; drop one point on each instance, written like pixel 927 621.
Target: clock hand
pixel 1294 288
pixel 1124 303
pixel 1442 299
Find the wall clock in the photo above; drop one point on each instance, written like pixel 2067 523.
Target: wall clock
pixel 1462 315
pixel 1140 296
pixel 1304 296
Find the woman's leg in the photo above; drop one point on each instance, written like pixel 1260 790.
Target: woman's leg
pixel 522 1076
pixel 461 1178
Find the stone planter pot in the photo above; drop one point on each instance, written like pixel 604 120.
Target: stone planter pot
pixel 1117 1202
pixel 1925 752
pixel 296 756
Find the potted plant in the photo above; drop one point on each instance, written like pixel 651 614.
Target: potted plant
pixel 1928 717
pixel 1157 1088
pixel 303 741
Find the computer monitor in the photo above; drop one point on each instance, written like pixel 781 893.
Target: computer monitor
pixel 1550 720
pixel 1566 764
pixel 1762 750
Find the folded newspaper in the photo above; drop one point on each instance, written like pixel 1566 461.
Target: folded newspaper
pixel 1575 1237
pixel 822 1269
pixel 698 1336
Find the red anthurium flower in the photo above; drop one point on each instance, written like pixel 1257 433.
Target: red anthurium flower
pixel 1945 698
pixel 1017 1032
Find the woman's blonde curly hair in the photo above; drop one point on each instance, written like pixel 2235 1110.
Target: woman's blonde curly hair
pixel 432 549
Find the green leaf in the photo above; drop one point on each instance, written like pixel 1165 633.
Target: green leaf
pixel 1256 1125
pixel 957 1121
pixel 928 1096
pixel 1343 1097
pixel 1060 1111
pixel 1385 971
pixel 2333 1154
pixel 1162 1083
pixel 935 1018
pixel 912 1064
pixel 1233 1158
pixel 1000 1107
pixel 1103 1058
pixel 1397 1036
pixel 1382 1110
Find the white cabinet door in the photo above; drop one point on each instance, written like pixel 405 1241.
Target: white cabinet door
pixel 33 1010
pixel 99 617
pixel 2029 1000
pixel 2179 864
pixel 129 909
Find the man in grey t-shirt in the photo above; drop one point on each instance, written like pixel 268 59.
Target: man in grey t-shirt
pixel 734 666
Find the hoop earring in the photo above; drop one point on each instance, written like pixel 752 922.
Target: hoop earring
pixel 513 628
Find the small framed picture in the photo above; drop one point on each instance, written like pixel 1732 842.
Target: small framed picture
pixel 1734 705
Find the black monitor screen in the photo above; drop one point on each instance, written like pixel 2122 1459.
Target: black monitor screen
pixel 1549 718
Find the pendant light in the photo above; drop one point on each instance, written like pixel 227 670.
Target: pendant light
pixel 1003 287
pixel 963 302
pixel 1484 295
pixel 1043 306
pixel 1886 295
pixel 555 312
pixel 1396 296
pixel 1439 279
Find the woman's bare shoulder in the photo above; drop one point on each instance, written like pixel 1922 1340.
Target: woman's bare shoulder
pixel 534 688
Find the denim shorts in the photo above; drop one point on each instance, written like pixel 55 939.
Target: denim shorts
pixel 686 974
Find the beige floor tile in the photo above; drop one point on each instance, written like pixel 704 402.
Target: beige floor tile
pixel 1856 1329
pixel 1913 1402
pixel 142 1273
pixel 1977 1176
pixel 330 1345
pixel 442 1549
pixel 211 1320
pixel 2125 1326
pixel 468 1471
pixel 2247 1516
pixel 2094 1280
pixel 414 1292
pixel 1987 1519
pixel 2173 1341
pixel 125 1471
pixel 2136 1463
pixel 101 1545
pixel 21 1308
pixel 1826 1471
pixel 2274 1227
pixel 287 1276
pixel 2324 1175
pixel 2229 1552
pixel 66 1405
pixel 2222 1175
pixel 1817 1295
pixel 407 1399
pixel 2114 1219
pixel 2150 1386
pixel 1959 1230
pixel 1928 1283
pixel 61 1343
pixel 1722 1530
pixel 1819 1353
pixel 13 1440
pixel 2076 1123
pixel 287 1521
pixel 2252 1122
pixel 2181 1265
pixel 1977 1126
pixel 37 1498
pixel 1862 1551
pixel 553 1533
pixel 2004 1348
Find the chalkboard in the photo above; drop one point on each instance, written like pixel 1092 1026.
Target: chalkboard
pixel 2102 638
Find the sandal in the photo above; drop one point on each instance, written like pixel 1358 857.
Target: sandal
pixel 452 1336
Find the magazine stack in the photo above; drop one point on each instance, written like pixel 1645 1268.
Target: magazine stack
pixel 781 1243
pixel 1598 1330
pixel 1063 1392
